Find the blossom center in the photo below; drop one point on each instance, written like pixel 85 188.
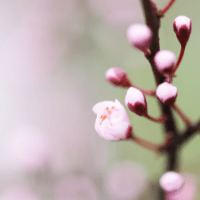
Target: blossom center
pixel 106 114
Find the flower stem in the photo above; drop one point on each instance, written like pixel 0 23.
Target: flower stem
pixel 182 115
pixel 147 53
pixel 168 79
pixel 147 92
pixel 161 119
pixel 158 148
pixel 179 59
pixel 189 133
pixel 166 8
pixel 146 144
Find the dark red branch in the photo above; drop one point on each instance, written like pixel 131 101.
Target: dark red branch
pixel 189 133
pixel 150 92
pixel 182 115
pixel 153 21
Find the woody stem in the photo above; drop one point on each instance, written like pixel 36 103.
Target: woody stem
pixel 153 21
pixel 147 92
pixel 182 115
pixel 146 144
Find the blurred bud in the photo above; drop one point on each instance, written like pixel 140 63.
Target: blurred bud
pixel 171 181
pixel 139 35
pixel 136 101
pixel 182 27
pixel 188 191
pixel 112 122
pixel 118 77
pixel 166 93
pixel 164 61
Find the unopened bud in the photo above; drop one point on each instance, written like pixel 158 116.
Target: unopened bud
pixel 139 35
pixel 189 191
pixel 171 181
pixel 166 93
pixel 182 27
pixel 117 77
pixel 164 61
pixel 136 101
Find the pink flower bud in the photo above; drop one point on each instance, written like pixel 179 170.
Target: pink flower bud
pixel 182 27
pixel 112 122
pixel 118 77
pixel 139 35
pixel 164 61
pixel 171 181
pixel 188 192
pixel 136 101
pixel 166 93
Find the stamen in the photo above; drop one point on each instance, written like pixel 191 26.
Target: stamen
pixel 112 107
pixel 103 117
pixel 107 108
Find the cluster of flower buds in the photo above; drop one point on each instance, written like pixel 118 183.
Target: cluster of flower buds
pixel 112 122
pixel 135 100
pixel 164 60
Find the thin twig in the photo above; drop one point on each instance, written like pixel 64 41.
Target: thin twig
pixel 150 92
pixel 189 132
pixel 182 115
pixel 158 148
pixel 160 119
pixel 146 144
pixel 179 59
pixel 166 8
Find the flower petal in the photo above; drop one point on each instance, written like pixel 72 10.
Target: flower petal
pixel 117 132
pixel 107 132
pixel 99 107
pixel 119 114
pixel 121 129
